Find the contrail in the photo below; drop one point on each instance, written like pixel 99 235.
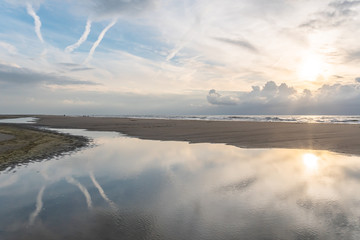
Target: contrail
pixel 102 193
pixel 39 206
pixel 37 21
pixel 81 39
pixel 82 189
pixel 97 42
pixel 175 51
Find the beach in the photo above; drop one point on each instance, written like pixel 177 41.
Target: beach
pixel 341 138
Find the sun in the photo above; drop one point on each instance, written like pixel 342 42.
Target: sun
pixel 311 67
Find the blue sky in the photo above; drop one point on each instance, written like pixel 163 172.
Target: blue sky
pixel 179 57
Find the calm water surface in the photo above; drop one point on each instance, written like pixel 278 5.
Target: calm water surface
pixel 19 120
pixel 127 188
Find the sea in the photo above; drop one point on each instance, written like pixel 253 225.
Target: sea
pixel 340 119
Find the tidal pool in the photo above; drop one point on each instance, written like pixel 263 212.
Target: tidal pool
pixel 127 188
pixel 19 120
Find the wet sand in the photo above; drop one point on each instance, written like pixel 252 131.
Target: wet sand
pixel 342 138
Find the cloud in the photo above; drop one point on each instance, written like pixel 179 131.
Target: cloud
pixel 353 55
pixel 215 98
pixel 9 47
pixel 22 2
pixel 344 5
pixel 105 9
pixel 173 52
pixel 37 21
pixel 240 43
pixel 270 92
pixel 82 39
pixel 81 69
pixel 16 76
pixel 82 101
pixel 70 65
pixel 282 99
pixel 74 67
pixel 108 9
pixel 98 41
pixel 357 79
pixel 336 14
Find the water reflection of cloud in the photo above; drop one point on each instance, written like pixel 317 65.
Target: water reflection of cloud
pixel 240 186
pixel 170 186
pixel 83 189
pixel 39 206
pixel 8 181
pixel 102 193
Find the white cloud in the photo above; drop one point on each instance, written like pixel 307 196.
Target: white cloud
pixel 188 46
pixel 98 41
pixel 9 47
pixel 82 39
pixel 215 98
pixel 282 99
pixel 37 21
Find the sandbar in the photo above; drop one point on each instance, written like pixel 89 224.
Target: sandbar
pixel 341 138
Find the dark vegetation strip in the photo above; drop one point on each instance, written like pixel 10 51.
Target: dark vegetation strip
pixel 33 144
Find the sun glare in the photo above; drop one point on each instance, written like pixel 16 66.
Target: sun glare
pixel 311 67
pixel 310 161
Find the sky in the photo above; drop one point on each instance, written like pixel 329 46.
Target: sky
pixel 169 57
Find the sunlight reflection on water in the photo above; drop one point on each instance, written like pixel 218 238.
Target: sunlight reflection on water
pixel 310 161
pixel 141 189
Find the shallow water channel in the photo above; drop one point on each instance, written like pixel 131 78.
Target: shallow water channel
pixel 128 188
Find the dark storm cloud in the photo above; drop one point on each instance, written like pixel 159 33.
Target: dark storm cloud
pixel 14 76
pixel 240 43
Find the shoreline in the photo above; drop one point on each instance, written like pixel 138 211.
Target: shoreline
pixel 26 143
pixel 341 138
